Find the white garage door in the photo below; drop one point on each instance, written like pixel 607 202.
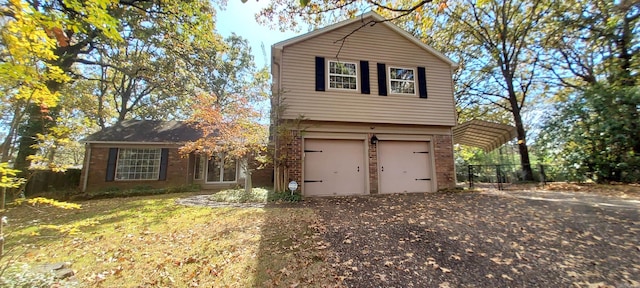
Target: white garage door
pixel 333 167
pixel 404 166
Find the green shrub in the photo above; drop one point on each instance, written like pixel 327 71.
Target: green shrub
pixel 142 190
pixel 257 195
pixel 285 197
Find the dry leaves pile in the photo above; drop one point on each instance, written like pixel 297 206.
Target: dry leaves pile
pixel 421 240
pixel 476 240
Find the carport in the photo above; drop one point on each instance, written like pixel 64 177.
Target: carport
pixel 487 136
pixel 483 134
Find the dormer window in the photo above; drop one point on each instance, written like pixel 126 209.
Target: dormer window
pixel 402 80
pixel 343 75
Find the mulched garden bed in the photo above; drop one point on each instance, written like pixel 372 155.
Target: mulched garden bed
pixel 477 240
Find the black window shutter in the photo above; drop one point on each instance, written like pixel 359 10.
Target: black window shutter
pixel 382 79
pixel 164 160
pixel 111 164
pixel 320 82
pixel 422 82
pixel 364 77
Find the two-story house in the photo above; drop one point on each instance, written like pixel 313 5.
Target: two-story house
pixel 374 112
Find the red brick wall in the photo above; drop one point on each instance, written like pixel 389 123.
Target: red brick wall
pixel 443 153
pixel 294 162
pixel 262 176
pixel 178 172
pixel 443 146
pixel 373 166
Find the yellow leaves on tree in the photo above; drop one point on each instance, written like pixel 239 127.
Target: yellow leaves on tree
pixel 8 177
pixel 28 50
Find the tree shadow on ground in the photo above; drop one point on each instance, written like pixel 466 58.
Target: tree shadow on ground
pixel 291 251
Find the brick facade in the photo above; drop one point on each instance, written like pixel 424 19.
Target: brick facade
pixel 445 173
pixel 373 166
pixel 443 158
pixel 294 160
pixel 178 172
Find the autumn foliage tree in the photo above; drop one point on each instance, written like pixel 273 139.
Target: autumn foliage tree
pixel 228 108
pixel 62 41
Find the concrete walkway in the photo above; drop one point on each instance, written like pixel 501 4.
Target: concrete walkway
pixel 204 201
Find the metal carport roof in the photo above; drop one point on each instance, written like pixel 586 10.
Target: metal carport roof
pixel 483 134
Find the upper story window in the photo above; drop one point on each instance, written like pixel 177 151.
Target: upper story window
pixel 402 80
pixel 138 164
pixel 343 75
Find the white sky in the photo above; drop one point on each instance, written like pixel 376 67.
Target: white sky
pixel 240 18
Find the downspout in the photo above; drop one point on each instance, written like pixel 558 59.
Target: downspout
pixel 87 161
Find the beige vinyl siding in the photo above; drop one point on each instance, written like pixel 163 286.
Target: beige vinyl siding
pixel 377 44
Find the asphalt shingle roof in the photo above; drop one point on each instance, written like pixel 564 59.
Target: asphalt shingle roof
pixel 152 131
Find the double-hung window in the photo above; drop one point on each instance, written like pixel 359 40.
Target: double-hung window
pixel 343 75
pixel 402 80
pixel 138 164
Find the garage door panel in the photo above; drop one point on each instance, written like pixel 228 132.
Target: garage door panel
pixel 334 167
pixel 404 166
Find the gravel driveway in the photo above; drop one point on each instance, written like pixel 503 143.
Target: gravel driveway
pixel 482 240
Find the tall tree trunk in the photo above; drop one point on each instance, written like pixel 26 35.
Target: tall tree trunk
pixel 527 172
pixel 523 149
pixel 28 135
pixel 39 121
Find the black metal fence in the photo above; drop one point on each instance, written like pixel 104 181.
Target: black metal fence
pixel 501 175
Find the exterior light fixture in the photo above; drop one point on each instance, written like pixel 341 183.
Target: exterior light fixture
pixel 374 139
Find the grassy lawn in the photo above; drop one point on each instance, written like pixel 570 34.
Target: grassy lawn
pixel 151 241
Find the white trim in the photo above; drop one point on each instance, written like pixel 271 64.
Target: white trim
pixel 405 137
pixel 199 158
pixel 157 176
pixel 206 174
pixel 361 18
pixel 415 87
pixel 337 136
pixel 329 74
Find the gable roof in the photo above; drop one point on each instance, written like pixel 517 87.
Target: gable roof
pixel 146 131
pixel 381 21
